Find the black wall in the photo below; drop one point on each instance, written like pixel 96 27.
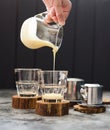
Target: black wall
pixel 85 51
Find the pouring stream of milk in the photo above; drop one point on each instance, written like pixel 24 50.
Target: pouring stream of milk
pixel 30 40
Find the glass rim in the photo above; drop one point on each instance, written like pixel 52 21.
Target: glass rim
pixel 54 70
pixel 26 69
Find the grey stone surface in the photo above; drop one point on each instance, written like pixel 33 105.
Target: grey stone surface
pixel 15 119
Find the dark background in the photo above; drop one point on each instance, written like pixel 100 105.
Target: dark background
pixel 85 51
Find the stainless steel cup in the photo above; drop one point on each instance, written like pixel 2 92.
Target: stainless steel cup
pixel 91 93
pixel 73 89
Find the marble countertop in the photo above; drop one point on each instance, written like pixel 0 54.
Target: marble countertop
pixel 16 119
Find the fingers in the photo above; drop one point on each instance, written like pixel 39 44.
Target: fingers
pixel 58 10
pixel 48 19
pixel 60 16
pixel 47 3
pixel 67 5
pixel 53 15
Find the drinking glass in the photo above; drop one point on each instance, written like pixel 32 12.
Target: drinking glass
pixel 53 85
pixel 27 81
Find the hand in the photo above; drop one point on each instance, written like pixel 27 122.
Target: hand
pixel 58 10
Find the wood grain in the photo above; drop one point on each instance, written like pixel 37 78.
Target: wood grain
pixel 89 110
pixel 52 108
pixel 24 102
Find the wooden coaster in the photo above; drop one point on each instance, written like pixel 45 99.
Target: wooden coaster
pixel 74 102
pixel 89 109
pixel 24 102
pixel 52 108
pixel 106 101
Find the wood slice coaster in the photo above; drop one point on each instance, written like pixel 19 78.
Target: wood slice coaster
pixel 106 101
pixel 74 102
pixel 24 102
pixel 52 108
pixel 89 109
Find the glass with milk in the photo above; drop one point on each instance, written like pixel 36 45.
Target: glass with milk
pixel 53 85
pixel 36 34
